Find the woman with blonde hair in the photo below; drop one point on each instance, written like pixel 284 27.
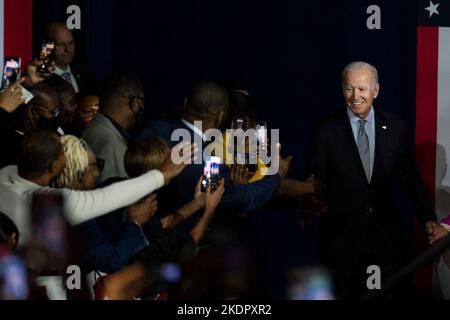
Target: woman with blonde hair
pixel 101 251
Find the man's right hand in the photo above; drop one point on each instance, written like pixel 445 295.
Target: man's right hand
pixel 309 207
pixel 435 231
pixel 11 97
pixel 143 210
pixel 213 198
pixel 240 174
pixel 185 154
pixel 317 185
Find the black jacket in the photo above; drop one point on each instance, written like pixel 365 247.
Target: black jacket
pixel 358 208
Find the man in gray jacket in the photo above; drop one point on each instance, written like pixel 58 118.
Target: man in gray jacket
pixel 121 110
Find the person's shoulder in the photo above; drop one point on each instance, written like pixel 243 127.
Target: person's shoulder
pixel 391 118
pixel 99 136
pixel 98 125
pixel 158 128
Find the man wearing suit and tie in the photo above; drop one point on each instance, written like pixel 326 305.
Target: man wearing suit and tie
pixel 78 76
pixel 358 153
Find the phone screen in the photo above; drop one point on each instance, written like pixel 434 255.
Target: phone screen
pixel 312 283
pixel 11 71
pixel 238 124
pixel 46 51
pixel 50 228
pixel 211 173
pixel 13 278
pixel 261 134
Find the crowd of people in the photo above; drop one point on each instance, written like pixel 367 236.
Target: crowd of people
pixel 84 182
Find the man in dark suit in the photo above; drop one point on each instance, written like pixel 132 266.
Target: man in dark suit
pixel 358 154
pixel 77 75
pixel 207 105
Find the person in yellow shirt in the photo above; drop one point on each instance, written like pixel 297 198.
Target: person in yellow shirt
pixel 243 107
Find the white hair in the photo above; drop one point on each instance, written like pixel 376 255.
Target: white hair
pixel 77 162
pixel 358 65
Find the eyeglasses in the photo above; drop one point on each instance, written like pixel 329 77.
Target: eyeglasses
pixel 100 163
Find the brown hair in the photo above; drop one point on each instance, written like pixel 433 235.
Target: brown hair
pixel 145 155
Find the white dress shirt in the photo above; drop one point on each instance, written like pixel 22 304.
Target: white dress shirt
pixel 73 80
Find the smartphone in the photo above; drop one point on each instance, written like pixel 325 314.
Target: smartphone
pixel 48 46
pixel 11 71
pixel 261 136
pixel 50 229
pixel 236 143
pixel 13 278
pixel 237 123
pixel 312 283
pixel 211 173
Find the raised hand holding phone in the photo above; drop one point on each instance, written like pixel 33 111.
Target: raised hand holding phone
pixel 48 46
pixel 11 71
pixel 211 174
pixel 33 75
pixel 213 198
pixel 185 153
pixel 12 97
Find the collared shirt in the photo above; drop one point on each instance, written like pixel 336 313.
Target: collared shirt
pixel 195 129
pixel 73 80
pixel 370 131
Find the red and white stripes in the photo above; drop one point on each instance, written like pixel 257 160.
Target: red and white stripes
pixel 16 28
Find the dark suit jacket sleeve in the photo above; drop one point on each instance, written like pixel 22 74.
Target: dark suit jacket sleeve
pixel 248 197
pixel 155 129
pixel 102 253
pixel 412 183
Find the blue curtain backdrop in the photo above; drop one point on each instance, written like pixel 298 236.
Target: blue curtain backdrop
pixel 289 53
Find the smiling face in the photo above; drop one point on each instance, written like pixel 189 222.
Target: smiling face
pixel 360 88
pixel 88 109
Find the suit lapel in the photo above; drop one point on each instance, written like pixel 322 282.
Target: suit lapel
pixel 381 140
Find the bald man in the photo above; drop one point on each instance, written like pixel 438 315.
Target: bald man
pixel 78 76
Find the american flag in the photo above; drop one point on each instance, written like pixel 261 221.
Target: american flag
pixel 433 109
pixel 16 27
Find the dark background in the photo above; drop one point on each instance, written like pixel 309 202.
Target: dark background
pixel 288 53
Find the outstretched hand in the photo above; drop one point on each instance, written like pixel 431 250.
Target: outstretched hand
pixel 11 97
pixel 435 231
pixel 309 207
pixel 213 198
pixel 181 155
pixel 241 174
pixel 143 210
pixel 33 76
